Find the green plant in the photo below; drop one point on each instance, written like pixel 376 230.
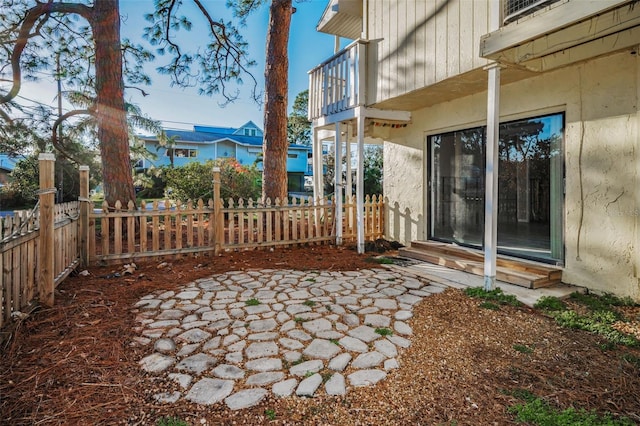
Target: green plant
pixel 550 303
pixel 495 295
pixel 171 421
pixel 335 342
pixel 326 377
pixel 384 331
pixel 523 348
pixel 252 302
pixel 313 280
pixel 300 320
pixel 489 305
pixel 539 412
pixel 309 303
pixel 632 359
pixel 380 260
pixel 193 180
pixel 599 322
pixel 270 413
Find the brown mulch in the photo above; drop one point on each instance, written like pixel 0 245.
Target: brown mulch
pixel 74 363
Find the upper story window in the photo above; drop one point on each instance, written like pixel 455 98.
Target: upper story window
pixel 250 132
pixel 516 9
pixel 183 153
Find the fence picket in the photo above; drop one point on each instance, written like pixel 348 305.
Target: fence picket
pixel 117 229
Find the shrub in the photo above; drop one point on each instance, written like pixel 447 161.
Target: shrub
pixel 194 180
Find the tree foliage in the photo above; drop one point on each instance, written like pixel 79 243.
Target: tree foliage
pixel 194 180
pixel 298 124
pixel 373 171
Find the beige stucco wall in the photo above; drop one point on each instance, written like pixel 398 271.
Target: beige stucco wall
pixel 602 148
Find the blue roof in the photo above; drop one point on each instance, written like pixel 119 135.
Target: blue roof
pixel 212 129
pixel 8 163
pixel 211 137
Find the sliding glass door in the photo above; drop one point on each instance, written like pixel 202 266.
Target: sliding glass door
pixel 530 187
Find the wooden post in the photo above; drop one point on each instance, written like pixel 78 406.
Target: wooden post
pixel 85 204
pixel 218 219
pixel 47 191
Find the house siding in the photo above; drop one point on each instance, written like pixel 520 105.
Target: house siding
pixel 602 165
pixel 418 43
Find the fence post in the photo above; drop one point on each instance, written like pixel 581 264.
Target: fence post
pixel 218 219
pixel 47 191
pixel 83 223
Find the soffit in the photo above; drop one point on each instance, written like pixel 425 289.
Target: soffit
pixel 342 18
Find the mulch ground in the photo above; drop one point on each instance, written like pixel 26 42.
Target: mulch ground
pixel 74 363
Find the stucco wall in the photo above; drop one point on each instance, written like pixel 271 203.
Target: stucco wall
pixel 602 201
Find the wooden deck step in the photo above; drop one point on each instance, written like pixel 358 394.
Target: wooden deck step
pixel 519 272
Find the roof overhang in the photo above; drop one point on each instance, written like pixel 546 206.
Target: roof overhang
pixel 565 33
pixel 342 18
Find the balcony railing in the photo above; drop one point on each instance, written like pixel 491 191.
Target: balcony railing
pixel 334 85
pixel 515 9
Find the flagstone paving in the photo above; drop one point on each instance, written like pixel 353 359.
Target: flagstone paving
pixel 235 337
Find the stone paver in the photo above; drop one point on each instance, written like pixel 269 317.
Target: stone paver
pixel 218 349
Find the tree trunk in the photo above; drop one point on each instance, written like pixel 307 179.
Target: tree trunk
pixel 110 109
pixel 274 181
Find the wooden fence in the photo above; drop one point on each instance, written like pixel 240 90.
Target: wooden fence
pixel 166 228
pixel 38 248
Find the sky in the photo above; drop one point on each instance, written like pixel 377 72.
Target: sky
pixel 179 108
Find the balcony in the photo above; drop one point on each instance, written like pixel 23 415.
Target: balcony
pixel 335 85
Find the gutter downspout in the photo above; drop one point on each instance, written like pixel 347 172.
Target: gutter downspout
pixel 491 177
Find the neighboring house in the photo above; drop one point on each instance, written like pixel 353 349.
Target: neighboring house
pixel 210 143
pixel 545 91
pixel 7 164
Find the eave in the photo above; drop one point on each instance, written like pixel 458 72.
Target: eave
pixel 342 18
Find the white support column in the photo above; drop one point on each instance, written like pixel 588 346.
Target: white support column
pixel 316 163
pixel 349 188
pixel 360 181
pixel 491 179
pixel 337 150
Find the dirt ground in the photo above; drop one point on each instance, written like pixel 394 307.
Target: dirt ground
pixel 74 363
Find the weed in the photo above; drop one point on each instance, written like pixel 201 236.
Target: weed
pixel 309 303
pixel 604 303
pixel 252 302
pixel 270 413
pixel 335 342
pixel 299 361
pixel 171 421
pixel 632 359
pixel 523 349
pixel 384 331
pixel 495 295
pixel 313 280
pixel 599 322
pixel 300 320
pixel 329 308
pixel 522 394
pixel 308 374
pixel 538 412
pixel 550 303
pixel 380 260
pixel 489 305
pixel 326 377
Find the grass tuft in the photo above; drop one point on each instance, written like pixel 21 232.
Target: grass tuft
pixel 550 303
pixel 495 295
pixel 384 331
pixel 252 302
pixel 539 412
